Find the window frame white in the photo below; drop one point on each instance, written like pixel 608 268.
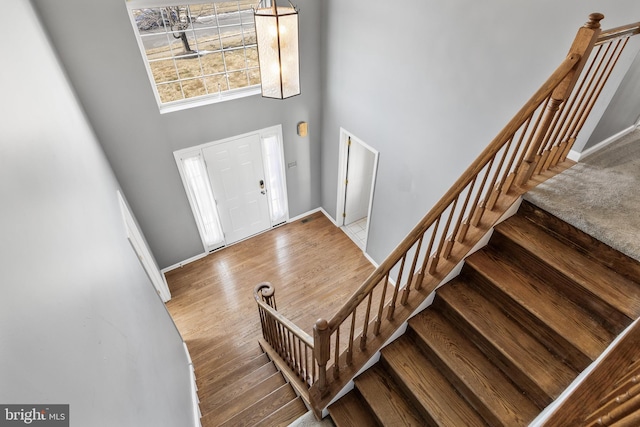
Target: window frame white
pixel 178 105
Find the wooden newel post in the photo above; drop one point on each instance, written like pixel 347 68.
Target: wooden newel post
pixel 582 46
pixel 322 353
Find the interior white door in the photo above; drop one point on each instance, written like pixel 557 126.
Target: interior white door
pixel 360 165
pixel 237 177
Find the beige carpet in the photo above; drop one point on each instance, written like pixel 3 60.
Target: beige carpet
pixel 600 195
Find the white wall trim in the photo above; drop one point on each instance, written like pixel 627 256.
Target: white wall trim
pixel 343 150
pixel 139 246
pixel 303 215
pixel 333 221
pixel 183 263
pixel 576 157
pixel 296 218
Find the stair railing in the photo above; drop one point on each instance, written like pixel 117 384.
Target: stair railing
pixel 292 344
pixel 537 138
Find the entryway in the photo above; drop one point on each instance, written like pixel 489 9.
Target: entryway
pixel 358 164
pixel 236 187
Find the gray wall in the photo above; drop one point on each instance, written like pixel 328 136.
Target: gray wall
pixel 80 322
pixel 429 84
pixel 624 109
pixel 98 49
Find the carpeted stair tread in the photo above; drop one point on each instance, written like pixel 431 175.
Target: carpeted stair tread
pixel 474 376
pixel 251 379
pixel 591 276
pixel 350 411
pixel 385 399
pixel 261 409
pixel 285 415
pixel 246 399
pixel 561 325
pixel 583 242
pixel 529 364
pixel 599 194
pixel 429 391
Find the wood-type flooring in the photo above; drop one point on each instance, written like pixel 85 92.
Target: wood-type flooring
pixel 314 267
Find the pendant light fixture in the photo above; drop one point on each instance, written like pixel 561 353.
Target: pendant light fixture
pixel 277 35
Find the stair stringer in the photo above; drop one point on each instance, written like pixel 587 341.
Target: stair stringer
pixel 455 272
pixel 542 418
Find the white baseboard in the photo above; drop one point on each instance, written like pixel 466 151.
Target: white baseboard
pixel 576 157
pixel 204 254
pixel 183 263
pixel 303 215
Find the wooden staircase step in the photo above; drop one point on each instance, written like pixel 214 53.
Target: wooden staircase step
pixel 239 386
pixel 350 411
pixel 284 415
pixel 583 242
pixel 537 305
pixel 474 376
pixel 385 399
pixel 214 357
pixel 538 372
pixel 219 367
pixel 597 287
pixel 428 390
pixel 227 373
pixel 261 409
pixel 244 400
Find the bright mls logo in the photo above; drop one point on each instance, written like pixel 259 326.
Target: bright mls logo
pixel 34 415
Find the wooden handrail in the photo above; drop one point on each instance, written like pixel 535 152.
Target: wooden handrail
pixel 472 171
pixel 292 347
pixel 297 331
pixel 622 31
pixel 538 137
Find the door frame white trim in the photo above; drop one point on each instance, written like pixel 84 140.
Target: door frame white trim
pixel 185 152
pixel 142 251
pixel 342 173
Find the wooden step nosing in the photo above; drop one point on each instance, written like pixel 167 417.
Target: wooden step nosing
pixel 212 378
pixel 285 390
pixel 463 376
pixel 245 398
pixel 513 360
pixel 268 421
pixel 436 405
pixel 559 332
pixel 613 296
pixel 583 242
pixel 249 381
pixel 351 410
pixel 383 411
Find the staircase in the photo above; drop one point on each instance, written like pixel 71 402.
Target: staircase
pixel 527 314
pixel 250 392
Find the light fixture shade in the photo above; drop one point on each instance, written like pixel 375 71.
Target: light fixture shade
pixel 277 35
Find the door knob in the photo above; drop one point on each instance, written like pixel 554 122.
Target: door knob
pixel 262 183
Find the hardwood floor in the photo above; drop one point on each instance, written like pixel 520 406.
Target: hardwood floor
pixel 313 265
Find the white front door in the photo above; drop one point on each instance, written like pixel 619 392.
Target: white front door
pixel 237 177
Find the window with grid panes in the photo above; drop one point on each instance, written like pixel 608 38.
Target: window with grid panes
pixel 197 53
